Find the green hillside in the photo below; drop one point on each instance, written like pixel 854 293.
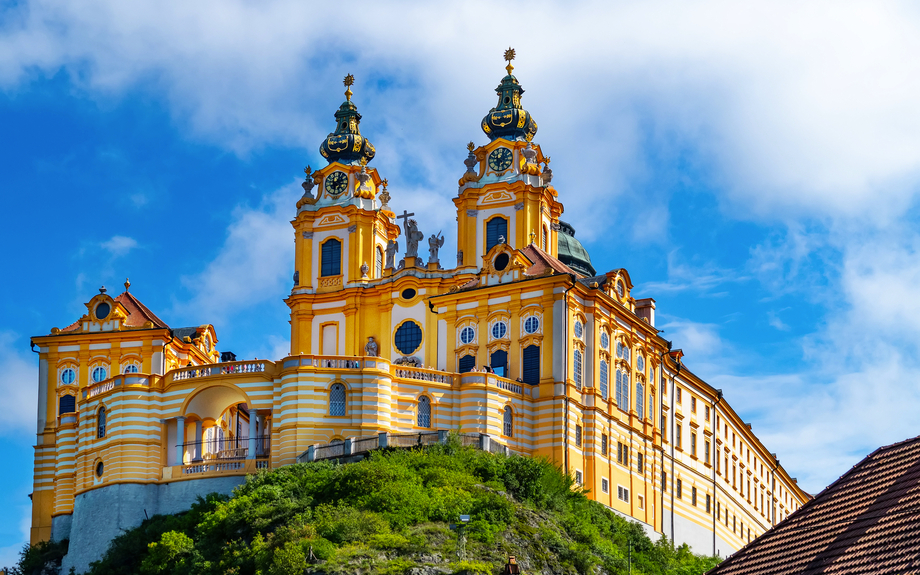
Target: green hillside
pixel 391 514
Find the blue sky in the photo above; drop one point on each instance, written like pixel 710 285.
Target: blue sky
pixel 754 166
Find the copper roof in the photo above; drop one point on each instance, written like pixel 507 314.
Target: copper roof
pixel 868 521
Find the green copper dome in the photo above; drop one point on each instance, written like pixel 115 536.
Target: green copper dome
pixel 571 252
pixel 346 144
pixel 508 119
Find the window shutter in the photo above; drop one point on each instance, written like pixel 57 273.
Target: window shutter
pixel 494 228
pixel 531 365
pixel 467 362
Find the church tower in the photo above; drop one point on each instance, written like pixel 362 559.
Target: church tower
pixel 341 231
pixel 505 196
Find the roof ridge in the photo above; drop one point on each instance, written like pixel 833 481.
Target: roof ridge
pixel 143 309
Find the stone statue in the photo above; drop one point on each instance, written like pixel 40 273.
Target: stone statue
pixel 371 347
pixel 501 240
pixel 297 278
pixel 384 195
pixel 307 186
pixel 413 237
pixel 459 258
pixel 365 187
pixel 364 270
pixel 547 172
pixel 392 248
pixel 434 244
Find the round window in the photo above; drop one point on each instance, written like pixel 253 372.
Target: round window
pixel 467 335
pixel 408 293
pixel 501 262
pixel 102 310
pixel 531 324
pixel 68 376
pixel 408 337
pixel 605 340
pixel 99 374
pixel 499 329
pixel 99 469
pixel 579 330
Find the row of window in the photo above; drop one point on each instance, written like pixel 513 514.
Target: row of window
pixel 678 493
pixel 499 330
pixel 100 373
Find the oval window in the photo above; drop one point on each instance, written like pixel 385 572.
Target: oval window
pixel 99 374
pixel 579 330
pixel 605 340
pixel 501 262
pixel 408 293
pixel 531 324
pixel 640 363
pixel 102 310
pixel 621 289
pixel 499 329
pixel 408 337
pixel 467 335
pixel 99 469
pixel 68 376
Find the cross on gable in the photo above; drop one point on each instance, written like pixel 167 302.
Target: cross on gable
pixel 405 216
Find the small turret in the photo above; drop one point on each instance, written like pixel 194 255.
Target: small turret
pixel 346 145
pixel 508 119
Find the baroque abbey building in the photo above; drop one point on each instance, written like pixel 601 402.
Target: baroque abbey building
pixel 517 338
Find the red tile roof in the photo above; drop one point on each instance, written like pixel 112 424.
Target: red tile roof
pixel 138 314
pixel 868 521
pixel 543 261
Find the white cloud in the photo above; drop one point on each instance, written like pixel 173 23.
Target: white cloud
pixel 254 264
pixel 119 246
pixel 684 276
pixel 18 385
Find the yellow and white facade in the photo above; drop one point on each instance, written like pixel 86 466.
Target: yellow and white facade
pixel 521 340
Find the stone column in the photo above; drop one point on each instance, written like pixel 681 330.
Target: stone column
pixel 251 454
pixel 199 451
pixel 180 440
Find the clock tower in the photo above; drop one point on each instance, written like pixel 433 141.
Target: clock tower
pixel 505 196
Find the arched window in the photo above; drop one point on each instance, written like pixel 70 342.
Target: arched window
pixel 545 238
pixel 605 379
pixel 337 399
pixel 576 364
pixel 67 404
pixel 509 422
pixel 498 361
pixel 99 374
pixel 622 390
pixel 131 368
pixel 100 423
pixel 331 258
pixel 640 400
pixel 467 362
pixel 531 359
pixel 378 265
pixel 424 411
pixel 495 228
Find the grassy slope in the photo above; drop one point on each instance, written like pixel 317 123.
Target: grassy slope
pixel 391 514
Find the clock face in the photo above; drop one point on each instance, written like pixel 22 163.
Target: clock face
pixel 500 159
pixel 336 183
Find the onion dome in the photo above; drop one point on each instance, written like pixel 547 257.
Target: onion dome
pixel 346 144
pixel 571 252
pixel 509 120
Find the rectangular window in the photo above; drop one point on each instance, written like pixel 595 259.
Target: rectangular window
pixel 639 462
pixel 749 489
pixel 641 501
pixel 605 485
pixel 693 444
pixel 708 503
pixel 718 511
pixel 664 428
pixel 622 454
pixel 679 489
pixel 693 496
pixel 677 440
pixel 331 258
pixel 706 452
pixel 578 478
pixel 678 395
pixel 692 404
pixel 706 409
pixel 622 493
pixel 664 481
pixel 577 436
pixel 734 523
pixel 604 444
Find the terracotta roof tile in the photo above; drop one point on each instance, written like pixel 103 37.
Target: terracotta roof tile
pixel 543 261
pixel 868 521
pixel 138 314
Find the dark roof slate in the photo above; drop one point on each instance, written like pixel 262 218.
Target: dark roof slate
pixel 868 521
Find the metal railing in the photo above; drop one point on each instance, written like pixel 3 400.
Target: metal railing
pixel 226 449
pixel 357 446
pixel 230 368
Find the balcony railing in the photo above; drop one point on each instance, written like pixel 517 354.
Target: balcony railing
pixel 117 381
pixel 226 449
pixel 229 368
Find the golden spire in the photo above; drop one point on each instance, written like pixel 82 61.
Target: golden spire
pixel 533 235
pixel 471 146
pixel 509 56
pixel 127 284
pixel 349 82
pixel 307 171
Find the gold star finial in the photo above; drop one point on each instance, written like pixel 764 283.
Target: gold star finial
pixel 471 146
pixel 349 82
pixel 509 56
pixel 385 183
pixel 307 171
pixel 546 160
